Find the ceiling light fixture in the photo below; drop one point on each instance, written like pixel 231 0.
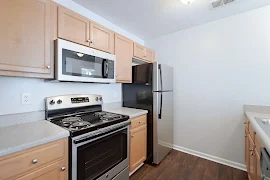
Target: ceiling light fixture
pixel 187 1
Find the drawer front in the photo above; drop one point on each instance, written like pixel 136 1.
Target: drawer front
pixel 31 159
pixel 258 144
pixel 138 121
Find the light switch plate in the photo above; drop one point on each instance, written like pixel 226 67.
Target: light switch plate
pixel 26 98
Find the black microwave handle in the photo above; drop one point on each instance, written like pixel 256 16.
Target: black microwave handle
pixel 105 68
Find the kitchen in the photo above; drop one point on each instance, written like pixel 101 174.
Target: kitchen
pixel 219 66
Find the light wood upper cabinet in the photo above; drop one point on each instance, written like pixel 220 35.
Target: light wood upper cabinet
pixel 101 38
pixel 25 48
pixel 137 147
pixel 143 53
pixel 124 53
pixel 149 55
pixel 73 27
pixel 139 51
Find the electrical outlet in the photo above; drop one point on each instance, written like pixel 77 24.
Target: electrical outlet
pixel 26 99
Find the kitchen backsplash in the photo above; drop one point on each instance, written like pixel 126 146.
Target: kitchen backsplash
pixel 12 88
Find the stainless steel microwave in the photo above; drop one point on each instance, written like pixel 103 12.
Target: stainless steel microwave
pixel 79 63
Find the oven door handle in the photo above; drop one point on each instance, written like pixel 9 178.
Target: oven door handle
pixel 102 134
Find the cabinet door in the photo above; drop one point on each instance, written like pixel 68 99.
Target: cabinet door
pixel 258 166
pixel 149 55
pixel 252 159
pixel 137 147
pixel 124 53
pixel 73 27
pixel 139 51
pixel 56 171
pixel 101 38
pixel 25 38
pixel 246 149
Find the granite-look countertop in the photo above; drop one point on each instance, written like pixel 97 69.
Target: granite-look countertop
pixel 253 112
pixel 19 137
pixel 131 112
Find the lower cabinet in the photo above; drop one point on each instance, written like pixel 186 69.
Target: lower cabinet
pixel 252 152
pixel 45 162
pixel 55 171
pixel 138 142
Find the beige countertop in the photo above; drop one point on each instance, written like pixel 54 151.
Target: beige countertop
pixel 253 112
pixel 19 137
pixel 131 112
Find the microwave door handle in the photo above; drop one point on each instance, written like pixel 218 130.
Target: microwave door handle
pixel 105 68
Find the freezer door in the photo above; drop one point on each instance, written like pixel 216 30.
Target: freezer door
pixel 162 124
pixel 162 77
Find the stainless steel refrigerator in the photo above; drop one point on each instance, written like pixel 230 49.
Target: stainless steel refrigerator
pixel 152 89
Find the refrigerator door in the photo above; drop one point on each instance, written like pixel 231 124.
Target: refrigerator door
pixel 162 125
pixel 162 77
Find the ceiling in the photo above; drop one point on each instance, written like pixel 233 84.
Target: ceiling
pixel 148 19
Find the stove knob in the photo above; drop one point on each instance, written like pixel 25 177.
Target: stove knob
pixel 59 101
pixel 52 102
pixel 100 98
pixel 96 98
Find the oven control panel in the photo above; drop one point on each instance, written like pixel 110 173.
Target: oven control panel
pixel 79 100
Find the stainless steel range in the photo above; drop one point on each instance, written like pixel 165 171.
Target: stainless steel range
pixel 99 141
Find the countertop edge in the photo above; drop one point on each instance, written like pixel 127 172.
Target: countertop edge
pixel 126 111
pixel 29 145
pixel 138 114
pixel 259 131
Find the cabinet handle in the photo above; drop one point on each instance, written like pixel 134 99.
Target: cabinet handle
pixel 63 168
pixel 132 136
pixel 48 67
pixel 245 123
pixel 139 122
pixel 90 41
pixel 35 161
pixel 250 149
pixel 245 135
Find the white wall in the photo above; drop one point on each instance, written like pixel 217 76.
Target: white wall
pixel 94 17
pixel 11 89
pixel 218 67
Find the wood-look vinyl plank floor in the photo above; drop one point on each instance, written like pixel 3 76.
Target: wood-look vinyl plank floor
pixel 181 166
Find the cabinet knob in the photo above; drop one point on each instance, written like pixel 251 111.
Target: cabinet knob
pixel 139 122
pixel 245 135
pixel 90 41
pixel 250 149
pixel 35 161
pixel 245 123
pixel 48 67
pixel 63 168
pixel 132 136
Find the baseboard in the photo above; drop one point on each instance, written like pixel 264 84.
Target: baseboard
pixel 136 169
pixel 211 158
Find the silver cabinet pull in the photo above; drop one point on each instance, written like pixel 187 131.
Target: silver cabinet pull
pixel 63 168
pixel 48 67
pixel 34 161
pixel 90 41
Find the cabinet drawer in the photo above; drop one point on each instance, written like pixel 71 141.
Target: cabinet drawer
pixel 23 162
pixel 138 121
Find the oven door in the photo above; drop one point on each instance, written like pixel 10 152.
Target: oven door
pixel 101 156
pixel 79 63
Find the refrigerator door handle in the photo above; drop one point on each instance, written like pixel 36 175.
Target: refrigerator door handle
pixel 160 106
pixel 160 77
